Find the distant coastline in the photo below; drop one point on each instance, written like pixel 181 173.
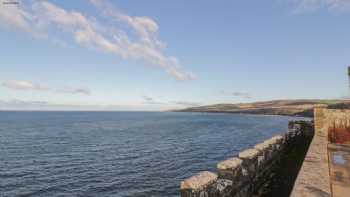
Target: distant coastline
pixel 300 107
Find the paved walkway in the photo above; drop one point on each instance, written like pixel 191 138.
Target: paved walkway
pixel 313 179
pixel 339 164
pixel 325 171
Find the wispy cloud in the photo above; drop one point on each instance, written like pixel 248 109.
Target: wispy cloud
pixel 335 6
pixel 71 90
pixel 148 104
pixel 244 95
pixel 111 36
pixel 12 16
pixel 30 86
pixel 21 103
pixel 23 85
pixel 17 104
pixel 152 101
pixel 187 103
pixel 241 94
pixel 147 98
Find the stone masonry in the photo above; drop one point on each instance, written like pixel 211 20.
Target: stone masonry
pixel 244 175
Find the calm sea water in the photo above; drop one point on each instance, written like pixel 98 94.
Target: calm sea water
pixel 53 154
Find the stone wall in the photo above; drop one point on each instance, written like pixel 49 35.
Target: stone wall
pixel 314 178
pixel 245 174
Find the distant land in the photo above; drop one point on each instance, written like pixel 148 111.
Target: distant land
pixel 299 107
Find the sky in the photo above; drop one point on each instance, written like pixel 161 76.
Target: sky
pixel 160 55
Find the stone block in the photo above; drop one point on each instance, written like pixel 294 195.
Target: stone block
pixel 221 188
pixel 263 149
pixel 287 138
pixel 199 180
pixel 272 143
pixel 230 164
pixel 231 169
pixel 250 162
pixel 277 142
pixel 248 154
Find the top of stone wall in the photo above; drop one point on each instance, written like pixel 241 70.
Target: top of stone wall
pixel 248 153
pixel 231 163
pixel 261 146
pixel 199 181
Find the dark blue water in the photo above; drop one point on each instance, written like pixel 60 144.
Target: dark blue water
pixel 53 154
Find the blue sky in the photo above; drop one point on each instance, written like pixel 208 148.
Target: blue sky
pixel 157 55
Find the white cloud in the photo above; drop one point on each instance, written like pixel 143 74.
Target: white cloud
pixel 15 16
pixel 335 6
pixel 109 36
pixel 27 85
pixel 148 46
pixel 145 27
pixel 23 85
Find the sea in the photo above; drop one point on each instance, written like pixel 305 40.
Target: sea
pixel 119 154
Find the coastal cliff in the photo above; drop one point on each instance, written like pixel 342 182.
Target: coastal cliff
pixel 276 107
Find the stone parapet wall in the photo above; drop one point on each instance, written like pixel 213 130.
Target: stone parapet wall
pixel 245 174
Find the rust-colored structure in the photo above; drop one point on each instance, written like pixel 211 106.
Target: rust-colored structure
pixel 335 124
pixel 339 135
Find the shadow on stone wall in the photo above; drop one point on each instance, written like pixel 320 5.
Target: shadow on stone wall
pixel 282 181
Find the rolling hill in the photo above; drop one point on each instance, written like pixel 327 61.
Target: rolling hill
pixel 275 107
